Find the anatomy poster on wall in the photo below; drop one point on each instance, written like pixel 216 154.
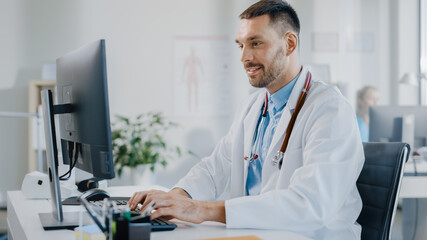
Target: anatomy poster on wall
pixel 201 76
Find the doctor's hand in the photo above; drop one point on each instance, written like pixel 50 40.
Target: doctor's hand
pixel 177 204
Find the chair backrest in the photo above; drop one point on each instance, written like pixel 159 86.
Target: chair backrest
pixel 379 185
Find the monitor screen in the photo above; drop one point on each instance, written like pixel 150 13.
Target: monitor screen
pixel 386 124
pixel 82 82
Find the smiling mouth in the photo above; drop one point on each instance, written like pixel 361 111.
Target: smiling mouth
pixel 253 70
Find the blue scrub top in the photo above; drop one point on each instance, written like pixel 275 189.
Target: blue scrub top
pixel 363 128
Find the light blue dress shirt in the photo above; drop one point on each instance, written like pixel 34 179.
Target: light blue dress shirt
pixel 363 128
pixel 264 135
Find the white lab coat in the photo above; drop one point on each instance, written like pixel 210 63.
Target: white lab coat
pixel 314 193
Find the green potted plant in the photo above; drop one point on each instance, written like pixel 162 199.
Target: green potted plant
pixel 139 144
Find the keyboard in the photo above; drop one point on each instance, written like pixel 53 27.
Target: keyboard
pixel 158 224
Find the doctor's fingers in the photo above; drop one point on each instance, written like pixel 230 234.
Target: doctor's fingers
pixel 135 199
pixel 179 212
pixel 154 198
pixel 140 197
pixel 162 203
pixel 163 212
pixel 170 213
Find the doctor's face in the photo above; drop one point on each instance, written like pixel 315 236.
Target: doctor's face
pixel 263 50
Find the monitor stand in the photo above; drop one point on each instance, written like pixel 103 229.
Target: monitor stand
pixel 70 220
pixel 55 219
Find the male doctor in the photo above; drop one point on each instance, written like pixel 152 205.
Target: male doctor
pixel 314 191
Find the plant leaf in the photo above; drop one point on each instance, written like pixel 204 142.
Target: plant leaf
pixel 135 140
pixel 178 150
pixel 192 153
pixel 164 163
pixel 116 134
pixel 124 119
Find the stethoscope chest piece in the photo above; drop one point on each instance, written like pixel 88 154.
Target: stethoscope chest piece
pixel 277 159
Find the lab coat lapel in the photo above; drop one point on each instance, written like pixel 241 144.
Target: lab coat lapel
pixel 279 134
pixel 249 125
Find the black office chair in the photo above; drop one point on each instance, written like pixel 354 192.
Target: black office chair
pixel 379 185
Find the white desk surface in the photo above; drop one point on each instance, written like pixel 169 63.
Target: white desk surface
pixel 414 186
pixel 24 223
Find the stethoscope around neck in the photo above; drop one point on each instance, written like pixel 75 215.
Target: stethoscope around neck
pixel 277 160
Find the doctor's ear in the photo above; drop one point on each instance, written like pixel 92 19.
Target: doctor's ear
pixel 291 41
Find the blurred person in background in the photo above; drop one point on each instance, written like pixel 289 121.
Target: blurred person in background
pixel 366 97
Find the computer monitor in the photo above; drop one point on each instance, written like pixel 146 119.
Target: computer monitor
pixel 386 124
pixel 84 124
pixel 82 82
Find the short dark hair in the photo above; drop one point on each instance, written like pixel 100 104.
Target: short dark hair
pixel 281 13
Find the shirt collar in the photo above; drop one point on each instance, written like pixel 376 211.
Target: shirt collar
pixel 279 99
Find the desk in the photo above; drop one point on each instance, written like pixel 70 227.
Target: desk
pixel 414 186
pixel 23 223
pixel 413 193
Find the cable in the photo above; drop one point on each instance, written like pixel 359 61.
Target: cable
pixel 72 164
pixel 70 156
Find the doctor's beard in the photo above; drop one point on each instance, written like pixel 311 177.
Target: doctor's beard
pixel 271 74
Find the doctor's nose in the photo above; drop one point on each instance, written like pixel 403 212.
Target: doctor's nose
pixel 247 56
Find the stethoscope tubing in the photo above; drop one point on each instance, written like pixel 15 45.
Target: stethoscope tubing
pixel 291 124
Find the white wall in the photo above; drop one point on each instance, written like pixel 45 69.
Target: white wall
pixel 353 65
pixel 393 24
pixel 13 97
pixel 406 60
